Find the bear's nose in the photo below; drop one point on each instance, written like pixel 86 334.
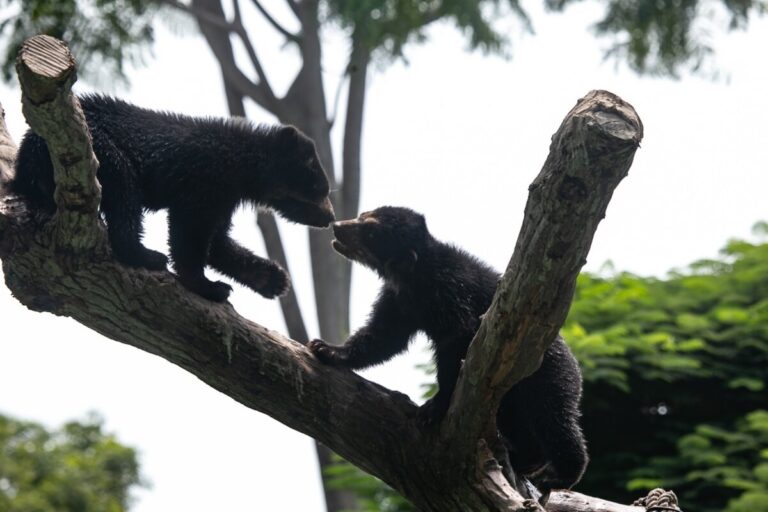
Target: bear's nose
pixel 342 223
pixel 327 207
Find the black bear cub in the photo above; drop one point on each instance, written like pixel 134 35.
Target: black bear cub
pixel 441 290
pixel 200 169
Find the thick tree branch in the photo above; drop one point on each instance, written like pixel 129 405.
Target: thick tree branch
pixel 570 501
pixel 589 155
pixel 372 427
pixel 275 24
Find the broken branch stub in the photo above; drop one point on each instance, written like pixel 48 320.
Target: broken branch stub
pixel 46 72
pixel 590 154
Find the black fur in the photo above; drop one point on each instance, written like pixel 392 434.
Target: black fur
pixel 441 290
pixel 200 169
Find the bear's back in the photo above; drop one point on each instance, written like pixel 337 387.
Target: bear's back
pixel 159 151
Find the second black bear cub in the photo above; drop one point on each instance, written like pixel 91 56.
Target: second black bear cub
pixel 200 169
pixel 441 290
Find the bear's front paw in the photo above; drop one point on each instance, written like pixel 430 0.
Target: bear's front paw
pixel 266 278
pixel 326 353
pixel 431 412
pixel 277 283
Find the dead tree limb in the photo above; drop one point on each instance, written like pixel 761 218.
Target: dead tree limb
pixel 372 427
pixel 46 72
pixel 589 155
pixel 570 501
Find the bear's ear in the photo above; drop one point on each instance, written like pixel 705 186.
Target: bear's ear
pixel 403 264
pixel 287 135
pixel 421 222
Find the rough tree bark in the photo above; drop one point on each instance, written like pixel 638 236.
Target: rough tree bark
pixel 64 266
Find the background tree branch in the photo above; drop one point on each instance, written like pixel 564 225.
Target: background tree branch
pixel 275 24
pixel 371 426
pixel 242 33
pixel 209 15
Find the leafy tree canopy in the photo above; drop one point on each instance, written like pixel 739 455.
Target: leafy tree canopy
pixel 77 467
pixel 104 34
pixel 653 36
pixel 675 376
pixel 387 25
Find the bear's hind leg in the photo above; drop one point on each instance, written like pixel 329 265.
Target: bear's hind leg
pixel 564 447
pixel 261 275
pixel 189 238
pixel 121 205
pixel 540 416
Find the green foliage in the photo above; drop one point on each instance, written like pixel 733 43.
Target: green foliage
pixel 372 494
pixel 105 34
pixel 675 372
pixel 102 34
pixel 710 323
pixel 387 25
pixel 718 469
pixel 662 36
pixel 653 36
pixel 76 468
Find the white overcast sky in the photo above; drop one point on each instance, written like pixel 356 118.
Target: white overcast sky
pixel 455 135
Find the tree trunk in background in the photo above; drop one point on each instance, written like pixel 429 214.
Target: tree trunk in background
pixel 304 106
pixel 353 134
